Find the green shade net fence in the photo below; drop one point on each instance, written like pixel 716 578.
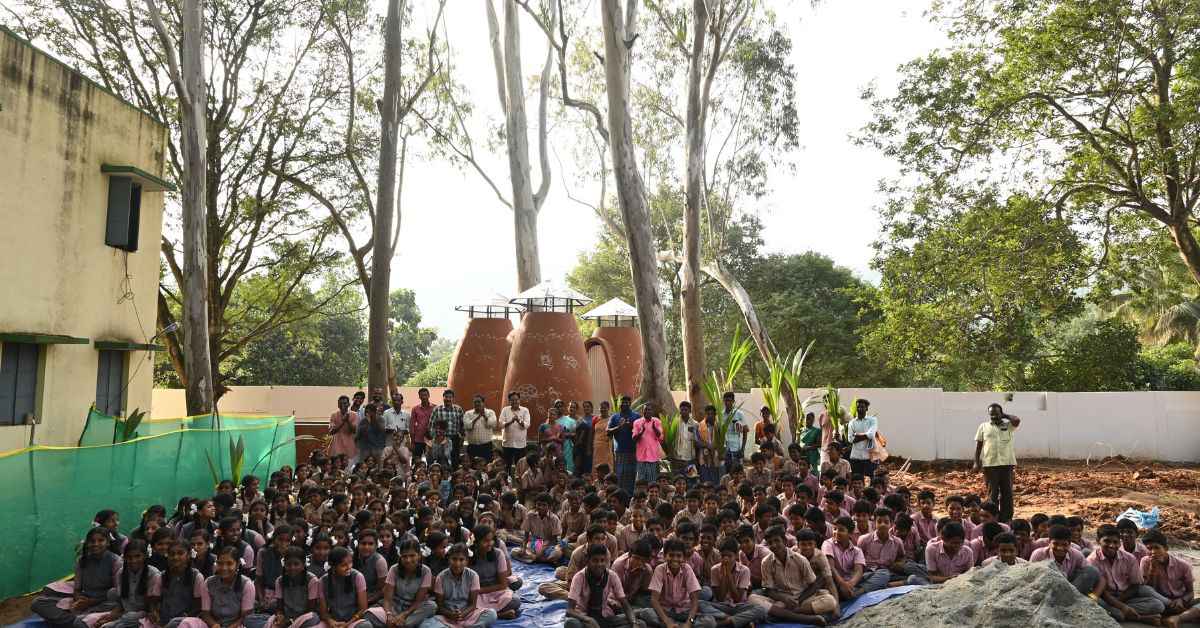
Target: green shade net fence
pixel 51 494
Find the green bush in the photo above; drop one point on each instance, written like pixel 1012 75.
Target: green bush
pixel 435 374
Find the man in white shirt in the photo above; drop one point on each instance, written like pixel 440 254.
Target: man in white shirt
pixel 994 456
pixel 480 424
pixel 395 419
pixel 862 438
pixel 514 422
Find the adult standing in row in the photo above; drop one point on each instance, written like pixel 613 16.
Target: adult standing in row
pixel 481 424
pixel 994 455
pixel 514 423
pixel 452 414
pixel 396 419
pixel 602 452
pixel 371 433
pixel 342 424
pixel 735 436
pixel 648 436
pixel 585 442
pixel 620 430
pixel 687 440
pixel 862 431
pixel 419 422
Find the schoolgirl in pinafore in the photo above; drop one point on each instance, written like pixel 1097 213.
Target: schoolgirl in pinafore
pixel 405 589
pixel 296 595
pixel 182 588
pixel 96 573
pixel 340 593
pixel 135 591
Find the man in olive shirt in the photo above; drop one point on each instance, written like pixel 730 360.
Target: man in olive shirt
pixel 994 455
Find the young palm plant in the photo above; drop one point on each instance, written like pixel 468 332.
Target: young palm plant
pixel 717 382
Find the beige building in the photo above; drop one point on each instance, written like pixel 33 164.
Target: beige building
pixel 80 224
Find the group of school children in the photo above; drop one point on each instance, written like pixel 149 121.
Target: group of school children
pixel 399 542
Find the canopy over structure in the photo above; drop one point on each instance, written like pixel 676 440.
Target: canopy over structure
pixel 550 296
pixel 494 306
pixel 613 313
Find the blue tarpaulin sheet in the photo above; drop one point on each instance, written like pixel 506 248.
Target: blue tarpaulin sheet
pixel 538 612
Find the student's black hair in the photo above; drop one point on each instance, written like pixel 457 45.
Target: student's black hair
pixel 774 531
pixel 642 548
pixel 160 535
pixel 596 529
pixel 1126 524
pixel 815 516
pixel 728 545
pixel 808 535
pixel 294 553
pixel 903 521
pixel 708 528
pixel 459 549
pixel 665 511
pixel 872 495
pixel 189 572
pixel 763 511
pixel 1154 537
pixel 991 529
pixel 990 507
pixel 835 496
pixel 1106 531
pixel 806 489
pixel 435 539
pixel 1059 533
pixel 224 501
pixel 1007 538
pixel 597 550
pixel 674 545
pixel 895 503
pixel 844 522
pixel 952 530
pixel 727 515
pixel 955 499
pixel 1038 519
pixel 686 527
pixel 1058 520
pixel 478 533
pixel 744 531
pixel 882 512
pixel 233 555
pixel 134 546
pixel 862 506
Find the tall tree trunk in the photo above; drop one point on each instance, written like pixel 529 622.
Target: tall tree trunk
pixel 390 106
pixel 619 37
pixel 525 210
pixel 187 75
pixel 1189 250
pixel 691 322
pixel 758 332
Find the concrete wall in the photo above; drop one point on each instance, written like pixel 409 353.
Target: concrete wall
pixel 58 277
pixel 920 423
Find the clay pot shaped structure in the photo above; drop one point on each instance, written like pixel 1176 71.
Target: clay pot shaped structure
pixel 614 351
pixel 481 357
pixel 547 360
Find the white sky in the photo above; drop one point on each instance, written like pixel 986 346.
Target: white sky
pixel 828 205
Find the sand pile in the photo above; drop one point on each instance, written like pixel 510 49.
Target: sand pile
pixel 1023 596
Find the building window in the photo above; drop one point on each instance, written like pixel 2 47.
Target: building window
pixel 110 382
pixel 124 213
pixel 18 381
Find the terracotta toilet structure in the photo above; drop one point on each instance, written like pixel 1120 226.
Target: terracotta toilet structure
pixel 547 360
pixel 481 358
pixel 614 351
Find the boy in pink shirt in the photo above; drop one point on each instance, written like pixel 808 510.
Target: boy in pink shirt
pixel 1125 597
pixel 1171 579
pixel 730 582
pixel 674 593
pixel 647 436
pixel 946 557
pixel 596 594
pixel 1069 561
pixel 846 559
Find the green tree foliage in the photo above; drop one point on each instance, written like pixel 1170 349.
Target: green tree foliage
pixel 1091 106
pixel 1170 367
pixel 807 297
pixel 434 374
pixel 964 298
pixel 1104 359
pixel 410 343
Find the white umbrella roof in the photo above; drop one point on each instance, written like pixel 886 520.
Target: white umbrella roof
pixel 495 304
pixel 613 308
pixel 550 293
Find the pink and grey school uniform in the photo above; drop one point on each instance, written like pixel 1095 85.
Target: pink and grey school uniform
pixel 296 598
pixel 93 578
pixel 404 595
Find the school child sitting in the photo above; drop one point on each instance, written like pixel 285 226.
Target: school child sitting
pixel 1172 581
pixel 181 588
pixel 885 555
pixel 596 595
pixel 1006 551
pixel 268 565
pixel 946 556
pixel 1124 597
pixel 228 597
pixel 543 535
pixel 1069 561
pixel 840 466
pixel 984 547
pixel 635 571
pixel 808 545
pixel 729 581
pixel 491 565
pixel 96 571
pixel 139 586
pixel 1023 533
pixel 1129 541
pixel 674 593
pixel 457 592
pixel 845 558
pixel 988 512
pixel 297 594
pixel 406 600
pixel 792 590
pixel 752 554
